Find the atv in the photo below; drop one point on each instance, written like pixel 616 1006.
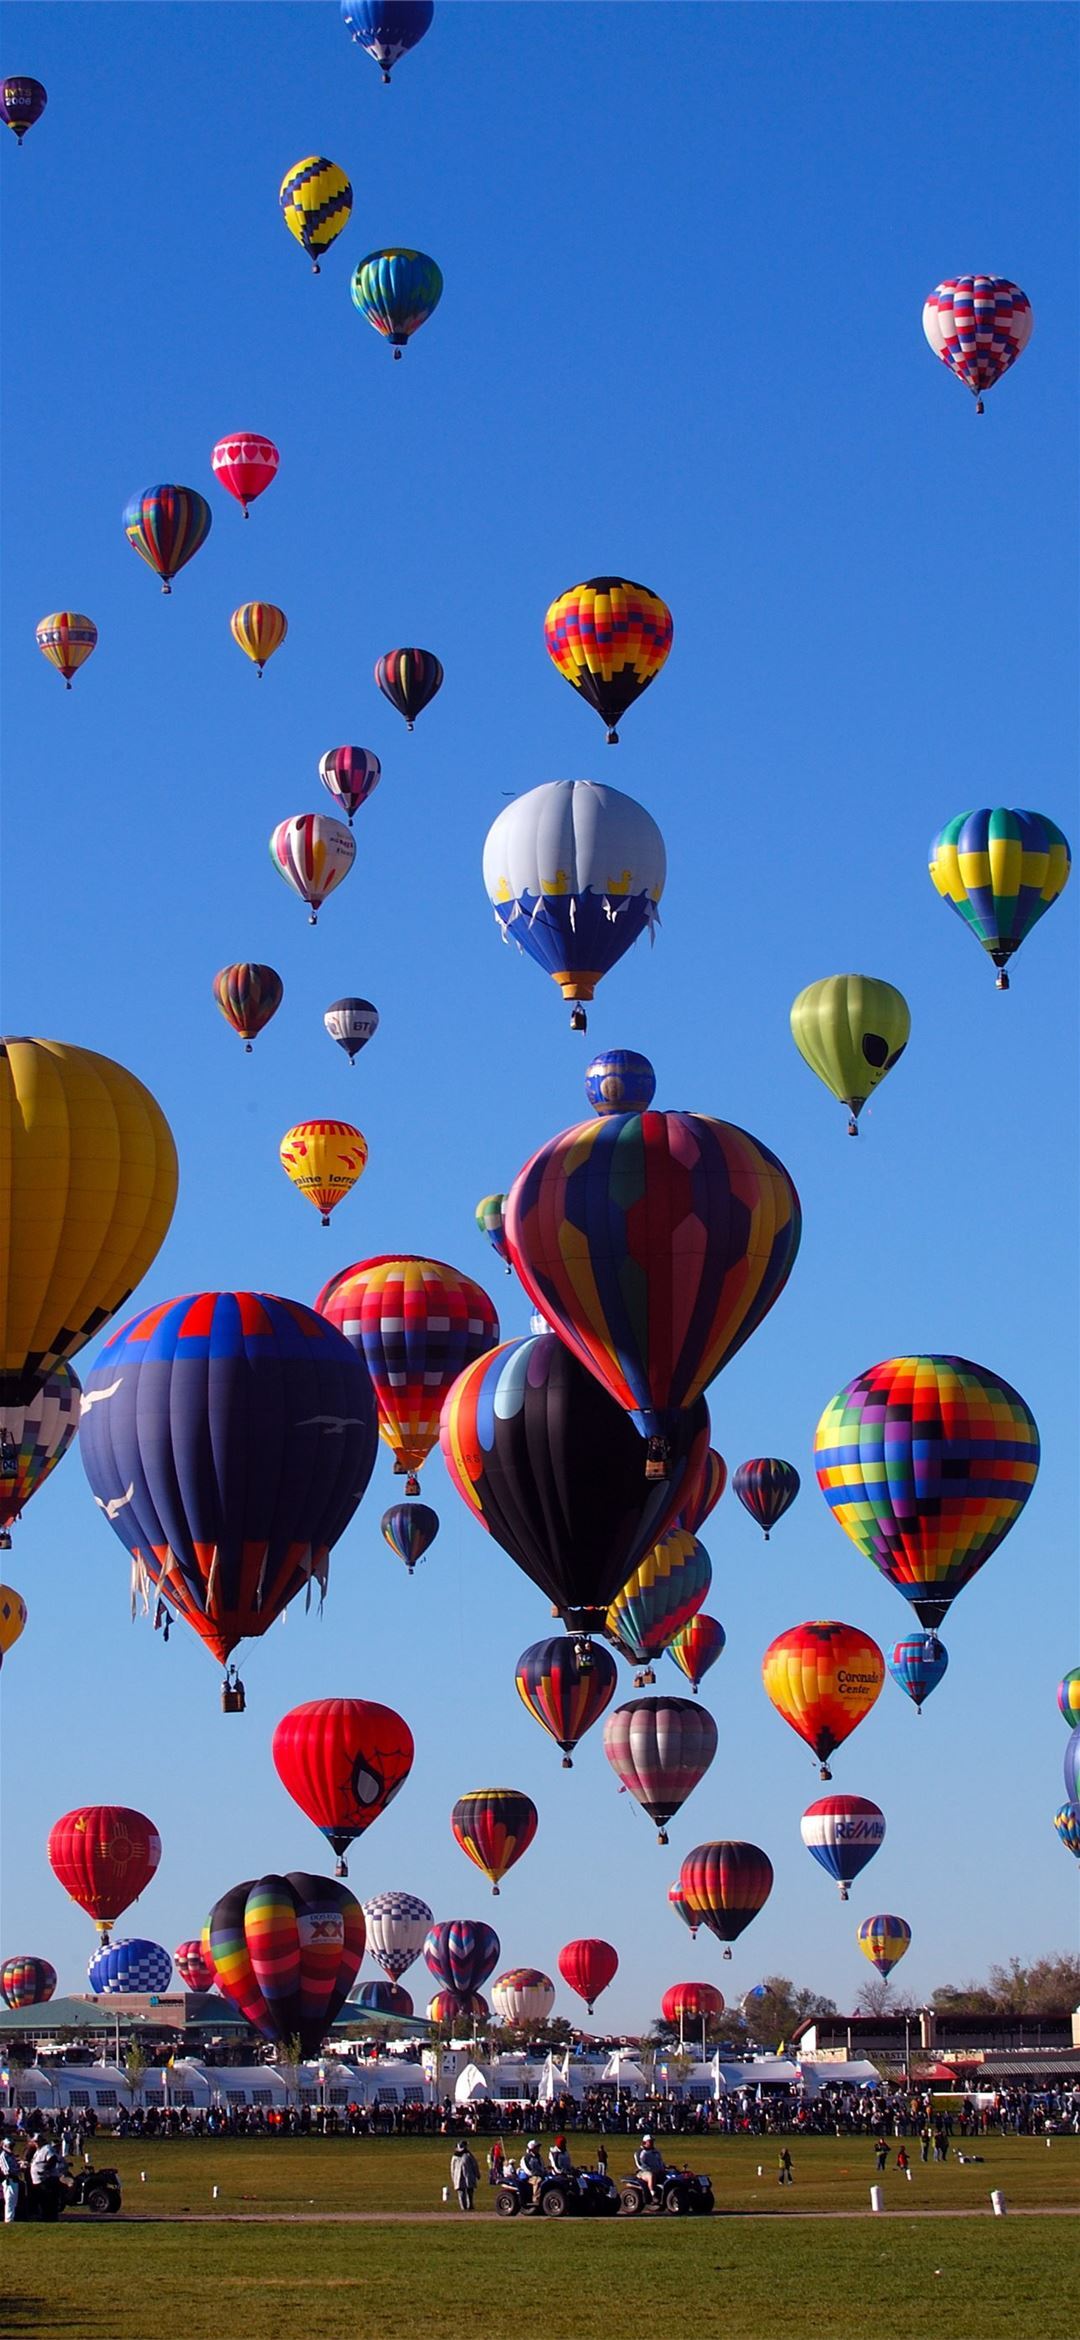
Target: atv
pixel 96 2190
pixel 679 2192
pixel 585 2195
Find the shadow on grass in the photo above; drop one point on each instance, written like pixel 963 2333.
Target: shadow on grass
pixel 30 2314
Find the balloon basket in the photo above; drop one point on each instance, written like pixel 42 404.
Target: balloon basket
pixel 579 1021
pixel 1003 980
pixel 5 1542
pixel 568 1762
pixel 233 1699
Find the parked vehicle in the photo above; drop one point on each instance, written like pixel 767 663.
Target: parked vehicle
pixel 96 2190
pixel 585 2195
pixel 682 2193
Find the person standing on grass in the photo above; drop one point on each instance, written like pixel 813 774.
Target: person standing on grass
pixel 44 2181
pixel 881 2153
pixel 495 2161
pixel 464 2173
pixel 784 2174
pixel 902 2162
pixel 9 2180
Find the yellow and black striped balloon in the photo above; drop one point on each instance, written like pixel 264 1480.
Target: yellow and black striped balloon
pixel 316 200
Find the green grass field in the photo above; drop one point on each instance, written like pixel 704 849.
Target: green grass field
pixel 178 2265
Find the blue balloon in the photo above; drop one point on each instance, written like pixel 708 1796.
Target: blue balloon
pixel 1067 1823
pixel 1072 1767
pixel 382 1998
pixel 387 29
pixel 620 1081
pixel 918 1664
pixel 130 1966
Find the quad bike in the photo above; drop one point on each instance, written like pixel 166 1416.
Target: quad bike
pixel 679 2192
pixel 585 2195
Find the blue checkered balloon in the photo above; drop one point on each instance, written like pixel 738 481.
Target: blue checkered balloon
pixel 130 1966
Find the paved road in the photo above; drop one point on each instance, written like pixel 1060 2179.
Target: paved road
pixel 453 2217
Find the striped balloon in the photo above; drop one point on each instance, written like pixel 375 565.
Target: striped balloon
pixel 194 1968
pixel 977 326
pixel 410 1530
pixel 286 1951
pixel 1068 1697
pixel 697 1646
pixel 450 2007
pixel 26 1982
pixel 248 994
pixel 1000 870
pixel 313 854
pixel 260 628
pixel 489 1215
pixel 409 679
pixel 918 1664
pixel 884 1940
pixel 766 1487
pixel 661 1596
pixel 382 1998
pixel 35 1437
pixel 843 1833
pixel 562 1692
pixel 351 775
pixel 691 2001
pixel 659 1749
pixel 494 1826
pixel 67 640
pixel 725 1885
pixel 316 200
pixel 707 1492
pixel 522 1996
pixel 682 1907
pixel 1066 1821
pixel 397 291
pixel 823 1678
pixel 461 1953
pixel 166 525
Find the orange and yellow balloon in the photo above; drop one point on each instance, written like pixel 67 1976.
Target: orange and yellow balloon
pixel 823 1678
pixel 324 1159
pixel 260 628
pixel 67 640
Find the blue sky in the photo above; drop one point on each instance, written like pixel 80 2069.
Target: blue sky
pixel 685 258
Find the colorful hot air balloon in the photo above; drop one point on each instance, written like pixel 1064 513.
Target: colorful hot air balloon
pixel 461 1953
pixel 851 1030
pixel 22 103
pixel 316 200
pixel 926 1463
pixel 417 1323
pixel 620 1081
pixel 124 1966
pixel 725 1885
pixel 93 1184
pixel 1066 1821
pixel 693 2002
pixel 387 29
pixel 1072 1767
pixel 409 679
pixel 352 1023
pixel 696 1647
pixel 766 1487
pixel 228 1438
pixel 678 1902
pixel 166 526
pixel 396 291
pixel 562 1694
pixel 1000 870
pixel 383 1998
pixel 977 326
pixel 523 1996
pixel 103 1855
pixel 659 1748
pixel 324 1159
pixel 664 1592
pixel 12 1618
pixel 195 1969
pixel 351 775
pixel 245 463
pixel 287 1951
pixel 450 2007
pixel 248 994
pixel 843 1833
pixel 706 1494
pixel 555 1471
pixel 33 1439
pixel 823 1678
pixel 260 628
pixel 494 1826
pixel 396 1926
pixel 655 1243
pixel 343 1760
pixel 884 1940
pixel 1068 1697
pixel 489 1219
pixel 410 1530
pixel 587 1967
pixel 609 639
pixel 67 640
pixel 918 1664
pixel 574 873
pixel 27 1982
pixel 313 854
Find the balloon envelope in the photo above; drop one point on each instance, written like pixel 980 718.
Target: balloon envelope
pixel 248 994
pixel 918 1664
pixel 664 1592
pixel 1000 869
pixel 659 1748
pixel 417 1323
pixel 692 2002
pixel 195 1969
pixel 352 1023
pixel 409 679
pixel 287 1951
pixel 103 1855
pixel 324 1160
pixel 697 1646
pixel 620 1081
pixel 351 775
pixel 1066 1821
pixel 67 639
pixel 382 1998
pixel 1068 1697
pixel 259 628
pixel 766 1487
pixel 1072 1766
pixel 245 464
pixel 609 639
pixel 35 1437
pixel 561 1693
pixel 883 1940
pixel 130 1966
pixel 387 29
pixel 574 873
pixel 26 1982
pixel 22 103
pixel 316 200
pixel 843 1833
pixel 977 326
pixel 587 1967
pixel 396 1925
pixel 823 1678
pixel 397 290
pixel 494 1826
pixel 706 1494
pixel 461 1953
pixel 725 1885
pixel 12 1618
pixel 166 525
pixel 343 1760
pixel 410 1530
pixel 851 1030
pixel 523 1995
pixel 313 854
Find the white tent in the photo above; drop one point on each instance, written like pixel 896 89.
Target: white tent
pixel 471 2085
pixel 391 2080
pixel 624 2073
pixel 856 2074
pixel 765 2072
pixel 31 2090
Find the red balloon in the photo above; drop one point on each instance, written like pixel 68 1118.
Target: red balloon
pixel 588 1967
pixel 245 464
pixel 693 2000
pixel 103 1855
pixel 194 1967
pixel 725 1884
pixel 343 1761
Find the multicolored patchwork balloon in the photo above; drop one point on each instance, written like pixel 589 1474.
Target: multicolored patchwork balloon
pixel 313 853
pixel 245 463
pixel 843 1833
pixel 1066 1821
pixel 260 628
pixel 409 679
pixel 724 1885
pixel 609 639
pixel 977 326
pixel 166 525
pixel 351 775
pixel 918 1664
pixel 851 1030
pixel 664 1592
pixel 563 1694
pixel 1000 870
pixel 387 29
pixel 248 994
pixel 523 1995
pixel 343 1760
pixel 194 1968
pixel 461 1953
pixel 494 1826
pixel 396 1926
pixel 450 2007
pixel 1068 1697
pixel 397 291
pixel 410 1530
pixel 660 1748
pixel 324 1159
pixel 766 1487
pixel 823 1678
pixel 287 1951
pixel 316 201
pixel 620 1081
pixel 489 1215
pixel 697 1646
pixel 574 873
pixel 33 1438
pixel 67 640
pixel 417 1323
pixel 884 1940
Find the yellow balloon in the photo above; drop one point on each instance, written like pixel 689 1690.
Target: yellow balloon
pixel 324 1159
pixel 88 1180
pixel 851 1029
pixel 260 628
pixel 12 1618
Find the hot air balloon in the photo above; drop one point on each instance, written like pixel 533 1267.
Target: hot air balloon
pixel 489 1219
pixel 851 1030
pixel 316 200
pixel 926 1462
pixel 1068 1697
pixel 696 1647
pixel 562 1694
pixel 663 1593
pixel 22 103
pixel 620 1081
pixel 450 2007
pixel 260 628
pixel 248 995
pixel 410 1530
pixel 352 1023
pixel 587 1967
pixel 843 1833
pixel 396 1926
pixel 324 1159
pixel 1066 1821
pixel 609 639
pixel 725 1885
pixel 33 1438
pixel 494 1826
pixel 918 1664
pixel 228 1437
pixel 313 854
pixel 387 29
pixel 343 1760
pixel 383 1998
pixel 823 1678
pixel 523 1996
pixel 93 1184
pixel 1072 1767
pixel 766 1487
pixel 195 1969
pixel 67 640
pixel 655 1243
pixel 129 1966
pixel 554 1469
pixel 27 1982
pixel 287 1951
pixel 417 1323
pixel 396 291
pixel 884 1940
pixel 166 526
pixel 977 326
pixel 245 463
pixel 409 679
pixel 12 1618
pixel 659 1748
pixel 574 873
pixel 1000 870
pixel 694 2002
pixel 461 1953
pixel 351 774
pixel 103 1855
pixel 706 1494
pixel 678 1902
